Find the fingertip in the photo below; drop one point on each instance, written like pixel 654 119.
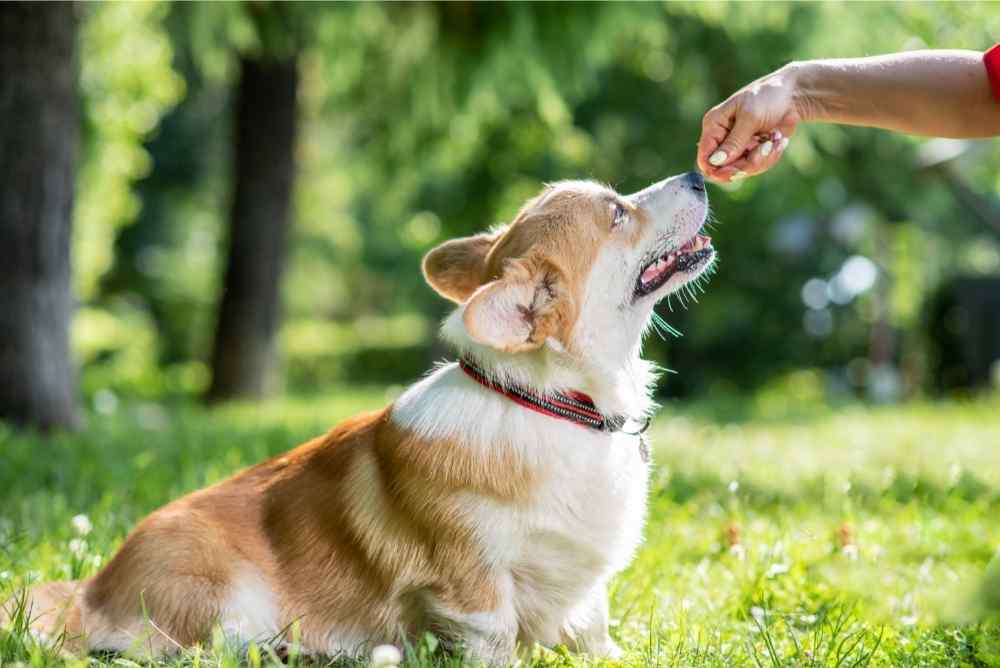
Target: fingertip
pixel 723 175
pixel 715 174
pixel 703 152
pixel 753 159
pixel 770 161
pixel 718 158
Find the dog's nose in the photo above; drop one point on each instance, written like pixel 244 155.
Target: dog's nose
pixel 695 181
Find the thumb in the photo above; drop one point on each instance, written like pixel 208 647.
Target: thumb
pixel 735 143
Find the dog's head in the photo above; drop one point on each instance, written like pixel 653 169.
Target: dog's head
pixel 579 269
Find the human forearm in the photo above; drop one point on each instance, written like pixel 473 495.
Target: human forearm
pixel 932 93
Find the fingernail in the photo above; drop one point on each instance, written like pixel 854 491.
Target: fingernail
pixel 738 176
pixel 783 144
pixel 765 148
pixel 718 158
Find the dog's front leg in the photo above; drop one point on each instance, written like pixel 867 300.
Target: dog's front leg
pixel 487 636
pixel 586 627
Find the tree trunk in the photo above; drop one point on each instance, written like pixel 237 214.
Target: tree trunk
pixel 243 360
pixel 38 135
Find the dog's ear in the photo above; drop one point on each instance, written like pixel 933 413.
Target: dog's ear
pixel 455 268
pixel 520 310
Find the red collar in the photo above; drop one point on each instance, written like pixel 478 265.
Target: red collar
pixel 573 406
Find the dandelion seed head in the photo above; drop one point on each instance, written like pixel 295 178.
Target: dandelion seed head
pixel 384 656
pixel 777 569
pixel 81 524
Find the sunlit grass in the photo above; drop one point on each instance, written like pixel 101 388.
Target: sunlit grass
pixel 847 538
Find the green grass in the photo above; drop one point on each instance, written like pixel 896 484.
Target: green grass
pixel 847 538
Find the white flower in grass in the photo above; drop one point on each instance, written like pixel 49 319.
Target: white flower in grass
pixel 384 656
pixel 777 569
pixel 908 620
pixel 758 614
pixel 851 552
pixel 78 547
pixel 81 524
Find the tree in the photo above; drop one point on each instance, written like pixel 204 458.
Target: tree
pixel 38 136
pixel 243 359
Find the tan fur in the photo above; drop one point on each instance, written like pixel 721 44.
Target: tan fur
pixel 454 269
pixel 539 262
pixel 343 528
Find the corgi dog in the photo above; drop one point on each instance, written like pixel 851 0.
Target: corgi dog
pixel 489 504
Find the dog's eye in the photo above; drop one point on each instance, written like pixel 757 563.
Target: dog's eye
pixel 619 215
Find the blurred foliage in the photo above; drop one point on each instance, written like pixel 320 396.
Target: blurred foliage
pixel 425 121
pixel 128 83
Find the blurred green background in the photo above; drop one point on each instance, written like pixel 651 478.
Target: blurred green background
pixel 264 178
pixel 420 122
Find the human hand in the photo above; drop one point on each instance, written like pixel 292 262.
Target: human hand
pixel 749 132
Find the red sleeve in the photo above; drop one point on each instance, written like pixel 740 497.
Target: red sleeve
pixel 992 61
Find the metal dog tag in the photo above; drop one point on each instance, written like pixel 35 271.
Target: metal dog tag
pixel 644 448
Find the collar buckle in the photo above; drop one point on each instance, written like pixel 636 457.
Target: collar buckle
pixel 617 423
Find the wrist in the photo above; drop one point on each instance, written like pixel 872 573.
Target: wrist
pixel 810 97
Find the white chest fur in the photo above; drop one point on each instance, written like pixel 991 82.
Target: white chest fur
pixel 582 521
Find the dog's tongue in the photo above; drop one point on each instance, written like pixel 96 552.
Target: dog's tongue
pixel 657 268
pixel 665 263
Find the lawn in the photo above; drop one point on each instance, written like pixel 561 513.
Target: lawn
pixel 820 538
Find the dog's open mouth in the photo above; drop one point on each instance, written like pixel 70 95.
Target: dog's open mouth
pixel 688 257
